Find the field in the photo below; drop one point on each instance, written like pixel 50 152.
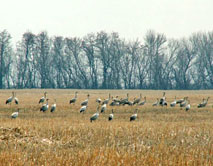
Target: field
pixel 159 136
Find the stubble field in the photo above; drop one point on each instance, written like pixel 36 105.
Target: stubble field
pixel 159 136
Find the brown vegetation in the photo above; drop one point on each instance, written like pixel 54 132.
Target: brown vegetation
pixel 160 135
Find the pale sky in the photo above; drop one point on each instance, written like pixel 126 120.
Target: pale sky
pixel 130 18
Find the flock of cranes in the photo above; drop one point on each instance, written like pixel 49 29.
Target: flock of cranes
pixel 115 101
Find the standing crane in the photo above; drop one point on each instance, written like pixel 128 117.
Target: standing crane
pixel 181 100
pixel 73 100
pixel 10 99
pixel 115 101
pixel 45 106
pixel 134 116
pixel 188 106
pixel 204 103
pixel 183 103
pixel 42 99
pixel 156 103
pixel 95 115
pixel 16 99
pixel 173 104
pixel 85 102
pixel 143 102
pixel 163 100
pixel 201 104
pixel 106 101
pixel 124 101
pixel 53 107
pixel 103 108
pixel 136 101
pixel 111 116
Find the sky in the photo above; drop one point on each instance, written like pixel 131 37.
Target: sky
pixel 130 18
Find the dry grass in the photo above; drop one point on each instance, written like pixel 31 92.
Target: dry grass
pixel 160 136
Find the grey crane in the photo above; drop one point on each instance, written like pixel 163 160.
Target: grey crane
pixel 136 101
pixel 10 99
pixel 181 100
pixel 98 100
pixel 111 116
pixel 143 102
pixel 124 101
pixel 53 107
pixel 204 103
pixel 188 106
pixel 134 116
pixel 173 104
pixel 85 102
pixel 163 100
pixel 103 108
pixel 95 115
pixel 115 101
pixel 83 108
pixel 184 103
pixel 156 103
pixel 45 106
pixel 73 100
pixel 16 99
pixel 106 101
pixel 42 99
pixel 15 114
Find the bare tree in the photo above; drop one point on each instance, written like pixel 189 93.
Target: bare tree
pixel 207 49
pixel 5 59
pixel 58 61
pixel 79 67
pixel 43 60
pixel 155 47
pixel 183 64
pixel 69 65
pixel 25 53
pixel 142 65
pixel 103 60
pixel 88 45
pixel 128 64
pixel 117 51
pixel 102 44
pixel 168 64
pixel 199 68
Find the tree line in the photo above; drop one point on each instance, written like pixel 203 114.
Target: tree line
pixel 105 61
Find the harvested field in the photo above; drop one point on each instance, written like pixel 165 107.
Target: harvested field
pixel 159 136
